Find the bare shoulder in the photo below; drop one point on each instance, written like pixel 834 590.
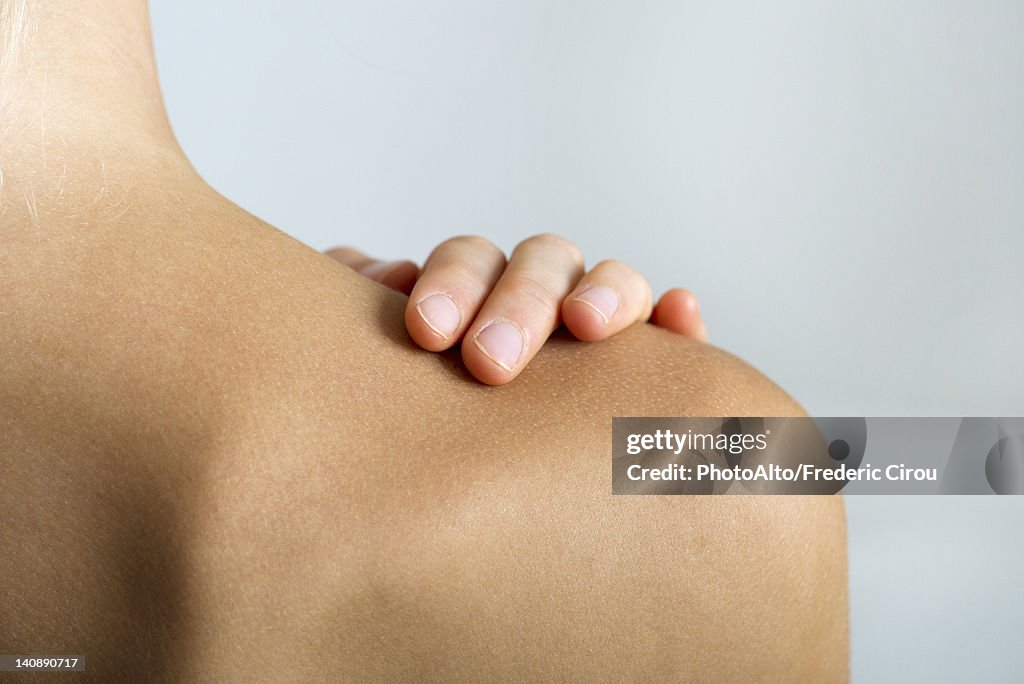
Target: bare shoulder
pixel 648 371
pixel 519 549
pixel 267 442
pixel 506 556
pixel 468 532
pixel 442 530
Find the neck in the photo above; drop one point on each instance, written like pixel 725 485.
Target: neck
pixel 77 72
pixel 82 120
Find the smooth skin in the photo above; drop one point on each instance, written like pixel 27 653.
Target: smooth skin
pixel 507 309
pixel 224 460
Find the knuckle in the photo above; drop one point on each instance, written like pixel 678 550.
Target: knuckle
pixel 537 293
pixel 448 274
pixel 476 242
pixel 342 252
pixel 611 265
pixel 466 253
pixel 616 266
pixel 551 241
pixel 348 256
pixel 482 246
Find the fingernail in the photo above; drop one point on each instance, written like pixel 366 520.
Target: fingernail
pixel 502 342
pixel 603 300
pixel 440 313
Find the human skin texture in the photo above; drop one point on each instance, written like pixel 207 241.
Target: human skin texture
pixel 222 458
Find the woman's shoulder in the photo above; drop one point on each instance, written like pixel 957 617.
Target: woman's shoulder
pixel 229 391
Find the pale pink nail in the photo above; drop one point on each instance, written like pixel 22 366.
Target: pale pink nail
pixel 440 313
pixel 502 342
pixel 603 300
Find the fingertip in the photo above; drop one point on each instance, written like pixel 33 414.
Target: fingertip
pixel 584 321
pixel 350 257
pixel 399 275
pixel 679 311
pixel 496 353
pixel 433 321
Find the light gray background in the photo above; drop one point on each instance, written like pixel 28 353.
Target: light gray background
pixel 842 185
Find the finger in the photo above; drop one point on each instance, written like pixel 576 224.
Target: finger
pixel 456 279
pixel 398 275
pixel 679 311
pixel 352 258
pixel 610 298
pixel 523 309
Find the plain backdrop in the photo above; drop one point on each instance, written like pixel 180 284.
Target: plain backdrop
pixel 841 184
